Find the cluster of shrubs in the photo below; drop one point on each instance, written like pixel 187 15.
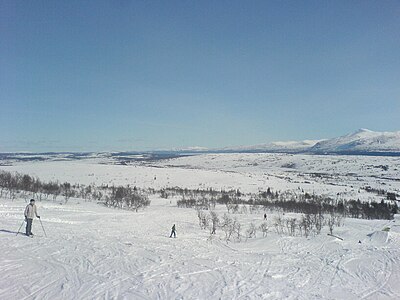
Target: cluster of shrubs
pixel 132 198
pixel 289 202
pixel 316 212
pixel 371 210
pixel 188 193
pixel 306 225
pixel 229 225
pixel 206 199
pixel 12 184
pixel 325 205
pixel 374 191
pixel 127 198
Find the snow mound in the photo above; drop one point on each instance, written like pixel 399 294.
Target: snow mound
pixel 395 228
pixel 378 237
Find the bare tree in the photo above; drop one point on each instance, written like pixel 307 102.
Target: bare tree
pixel 251 231
pixel 203 219
pixel 227 225
pixel 291 225
pixel 278 224
pixel 66 191
pixel 214 221
pixel 237 228
pixel 264 229
pixel 333 220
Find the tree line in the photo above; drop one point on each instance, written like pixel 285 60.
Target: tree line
pixel 23 185
pixel 287 202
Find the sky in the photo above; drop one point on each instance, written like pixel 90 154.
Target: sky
pixel 120 75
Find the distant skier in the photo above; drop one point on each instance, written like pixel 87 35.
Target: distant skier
pixel 173 232
pixel 30 212
pixel 265 217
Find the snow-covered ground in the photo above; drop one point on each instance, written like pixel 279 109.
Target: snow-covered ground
pixel 94 252
pixel 328 175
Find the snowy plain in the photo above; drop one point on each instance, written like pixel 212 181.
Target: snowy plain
pixel 94 252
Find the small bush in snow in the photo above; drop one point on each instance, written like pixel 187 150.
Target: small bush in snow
pixel 251 231
pixel 264 228
pixel 231 228
pixel 214 222
pixel 203 219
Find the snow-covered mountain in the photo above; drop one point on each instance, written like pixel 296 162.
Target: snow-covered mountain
pixel 363 140
pixel 288 146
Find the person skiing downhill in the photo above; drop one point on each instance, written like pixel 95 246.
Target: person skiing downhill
pixel 30 212
pixel 173 232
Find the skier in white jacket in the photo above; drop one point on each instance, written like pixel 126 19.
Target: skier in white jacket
pixel 30 213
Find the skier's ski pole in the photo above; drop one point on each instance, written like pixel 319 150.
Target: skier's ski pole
pixel 20 227
pixel 43 227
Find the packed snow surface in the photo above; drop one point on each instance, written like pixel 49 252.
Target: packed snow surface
pixel 335 176
pixel 93 252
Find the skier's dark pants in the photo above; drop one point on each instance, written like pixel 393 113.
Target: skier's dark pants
pixel 29 226
pixel 173 233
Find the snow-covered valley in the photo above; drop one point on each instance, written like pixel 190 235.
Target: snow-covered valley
pixel 94 252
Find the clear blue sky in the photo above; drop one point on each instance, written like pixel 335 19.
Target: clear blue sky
pixel 139 75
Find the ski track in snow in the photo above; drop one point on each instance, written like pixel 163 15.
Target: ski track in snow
pixel 93 252
pixel 116 254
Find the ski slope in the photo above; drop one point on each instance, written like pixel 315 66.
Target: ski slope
pixel 94 252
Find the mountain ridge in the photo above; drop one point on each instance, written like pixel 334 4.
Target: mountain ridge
pixel 362 141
